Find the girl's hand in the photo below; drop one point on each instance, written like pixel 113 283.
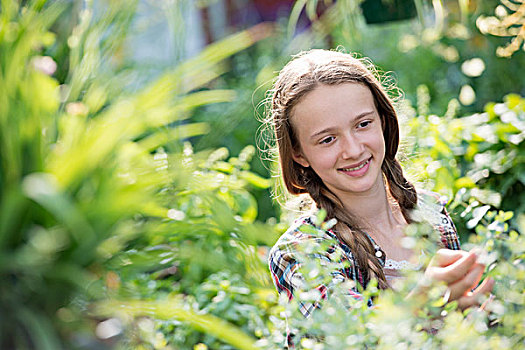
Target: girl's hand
pixel 461 272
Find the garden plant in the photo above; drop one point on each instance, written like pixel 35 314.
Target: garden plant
pixel 130 219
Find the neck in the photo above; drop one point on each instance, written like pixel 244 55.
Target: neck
pixel 375 211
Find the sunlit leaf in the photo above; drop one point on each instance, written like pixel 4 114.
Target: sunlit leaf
pixel 295 14
pixel 477 215
pixel 43 189
pixel 172 309
pixel 254 179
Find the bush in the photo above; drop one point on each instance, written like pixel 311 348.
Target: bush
pixel 84 171
pixel 114 232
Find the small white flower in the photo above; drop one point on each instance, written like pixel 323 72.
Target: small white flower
pixel 467 95
pixel 473 67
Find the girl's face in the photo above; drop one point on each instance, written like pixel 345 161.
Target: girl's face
pixel 340 136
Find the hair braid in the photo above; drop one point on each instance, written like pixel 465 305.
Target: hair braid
pixel 346 230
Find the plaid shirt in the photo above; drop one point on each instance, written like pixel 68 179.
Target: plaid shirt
pixel 284 266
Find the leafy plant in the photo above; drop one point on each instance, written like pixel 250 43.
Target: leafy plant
pixel 405 317
pixel 205 254
pixel 477 158
pixel 82 173
pixel 115 232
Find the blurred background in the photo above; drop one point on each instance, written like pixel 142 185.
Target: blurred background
pixel 139 197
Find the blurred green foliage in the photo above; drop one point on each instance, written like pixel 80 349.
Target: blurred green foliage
pixel 479 158
pixel 126 223
pixel 84 172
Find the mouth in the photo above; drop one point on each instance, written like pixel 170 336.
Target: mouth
pixel 357 167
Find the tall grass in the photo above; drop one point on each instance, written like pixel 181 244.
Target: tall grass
pixel 81 160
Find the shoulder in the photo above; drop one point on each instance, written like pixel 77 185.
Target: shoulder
pixel 301 242
pixel 302 232
pixel 431 209
pixel 432 198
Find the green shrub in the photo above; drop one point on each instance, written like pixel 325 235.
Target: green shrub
pixel 114 232
pixel 478 159
pixel 83 172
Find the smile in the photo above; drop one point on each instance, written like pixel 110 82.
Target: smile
pixel 358 167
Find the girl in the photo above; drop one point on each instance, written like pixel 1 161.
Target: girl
pixel 337 135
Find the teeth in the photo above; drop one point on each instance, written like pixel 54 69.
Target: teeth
pixel 357 167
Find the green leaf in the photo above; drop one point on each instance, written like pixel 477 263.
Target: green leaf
pixel 512 100
pixel 311 9
pixel 12 208
pixel 464 182
pixel 245 205
pixel 177 133
pixel 507 215
pixel 173 309
pixel 321 216
pixel 294 16
pixel 43 189
pixel 39 328
pixel 254 179
pixel 477 214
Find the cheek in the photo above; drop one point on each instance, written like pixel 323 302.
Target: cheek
pixel 321 159
pixel 379 139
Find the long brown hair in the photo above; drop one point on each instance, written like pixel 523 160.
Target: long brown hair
pixel 302 75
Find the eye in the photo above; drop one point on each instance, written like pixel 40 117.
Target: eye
pixel 364 124
pixel 327 140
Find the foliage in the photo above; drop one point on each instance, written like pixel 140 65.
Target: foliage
pixel 223 298
pixel 446 53
pixel 421 320
pixel 478 157
pixel 206 254
pixel 115 232
pixel 82 171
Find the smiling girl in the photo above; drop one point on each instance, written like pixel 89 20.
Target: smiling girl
pixel 337 136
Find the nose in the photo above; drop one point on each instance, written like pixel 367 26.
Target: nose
pixel 351 147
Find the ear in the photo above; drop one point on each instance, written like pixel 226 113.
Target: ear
pixel 299 158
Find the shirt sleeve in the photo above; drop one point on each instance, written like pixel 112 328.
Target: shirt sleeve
pixel 288 272
pixel 447 229
pixel 431 209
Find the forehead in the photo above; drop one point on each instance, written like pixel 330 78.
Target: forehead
pixel 332 104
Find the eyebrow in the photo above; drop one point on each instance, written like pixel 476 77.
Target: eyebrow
pixel 329 129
